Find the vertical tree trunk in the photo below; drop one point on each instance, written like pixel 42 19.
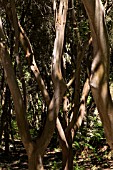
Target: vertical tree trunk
pixel 67 158
pixel 99 79
pixel 35 160
pixel 66 146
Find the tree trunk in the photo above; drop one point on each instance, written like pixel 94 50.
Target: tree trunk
pixel 66 146
pixel 35 164
pixel 99 79
pixel 35 161
pixel 67 158
pixel 36 151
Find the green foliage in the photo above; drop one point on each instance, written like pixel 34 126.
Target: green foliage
pixel 89 100
pixel 15 129
pixel 78 168
pixel 55 165
pixel 89 140
pixel 36 17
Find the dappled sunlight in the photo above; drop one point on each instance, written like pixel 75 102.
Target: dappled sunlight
pixel 55 104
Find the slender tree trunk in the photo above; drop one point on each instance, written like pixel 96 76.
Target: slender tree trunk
pixel 67 158
pixel 66 146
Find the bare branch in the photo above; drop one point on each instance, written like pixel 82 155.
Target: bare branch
pixel 59 84
pixel 76 101
pixel 16 29
pixel 16 94
pixel 82 108
pixel 25 42
pixel 61 133
pixel 71 81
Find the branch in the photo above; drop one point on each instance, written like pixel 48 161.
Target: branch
pixel 82 108
pixel 86 44
pixel 29 53
pixel 61 133
pixel 60 19
pixel 99 79
pixel 15 25
pixel 77 85
pixel 59 84
pixel 16 94
pixel 71 81
pixel 25 42
pixel 16 29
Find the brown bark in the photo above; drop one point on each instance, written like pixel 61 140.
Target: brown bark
pixel 66 146
pixel 82 108
pixel 66 141
pixel 76 99
pixel 66 134
pixel 34 156
pixel 35 150
pixel 27 47
pixel 59 84
pixel 67 161
pixel 14 23
pixel 12 83
pixel 99 79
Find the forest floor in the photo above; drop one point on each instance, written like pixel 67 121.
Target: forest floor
pixel 84 159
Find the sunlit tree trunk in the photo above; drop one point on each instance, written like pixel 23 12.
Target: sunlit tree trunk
pixel 35 150
pixel 66 139
pixel 99 79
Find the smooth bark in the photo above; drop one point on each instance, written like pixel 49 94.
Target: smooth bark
pixel 99 79
pixel 35 150
pixel 16 94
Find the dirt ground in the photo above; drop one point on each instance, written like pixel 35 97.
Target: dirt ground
pixel 85 159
